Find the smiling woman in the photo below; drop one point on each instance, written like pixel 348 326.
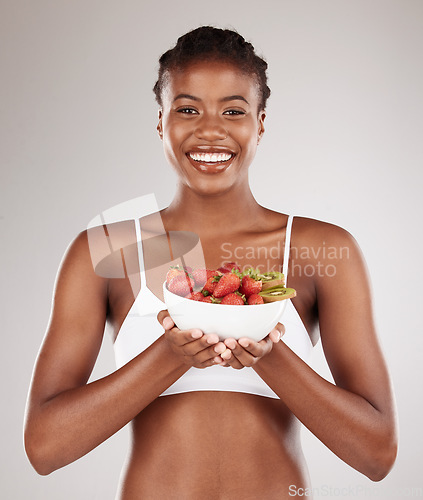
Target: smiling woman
pixel 210 120
pixel 213 419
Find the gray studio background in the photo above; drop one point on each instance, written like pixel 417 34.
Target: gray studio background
pixel 342 144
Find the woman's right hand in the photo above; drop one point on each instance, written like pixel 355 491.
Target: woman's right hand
pixel 193 347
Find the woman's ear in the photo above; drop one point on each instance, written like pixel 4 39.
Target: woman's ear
pixel 159 125
pixel 260 131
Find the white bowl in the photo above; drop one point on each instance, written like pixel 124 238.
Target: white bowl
pixel 254 322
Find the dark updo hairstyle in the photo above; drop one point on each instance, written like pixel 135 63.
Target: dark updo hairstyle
pixel 207 43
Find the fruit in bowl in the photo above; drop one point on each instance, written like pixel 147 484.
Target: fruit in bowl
pixel 210 300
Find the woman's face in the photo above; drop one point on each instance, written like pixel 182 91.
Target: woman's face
pixel 210 126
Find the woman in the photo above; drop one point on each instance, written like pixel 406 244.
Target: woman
pixel 214 419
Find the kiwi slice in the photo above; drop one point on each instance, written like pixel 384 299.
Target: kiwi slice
pixel 271 279
pixel 277 292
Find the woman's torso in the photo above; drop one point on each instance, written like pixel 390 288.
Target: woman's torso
pixel 212 444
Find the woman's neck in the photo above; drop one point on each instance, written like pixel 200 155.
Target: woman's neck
pixel 233 211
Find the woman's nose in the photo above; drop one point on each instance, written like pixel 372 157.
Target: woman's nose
pixel 210 128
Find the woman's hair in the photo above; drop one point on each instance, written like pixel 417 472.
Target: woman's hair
pixel 207 43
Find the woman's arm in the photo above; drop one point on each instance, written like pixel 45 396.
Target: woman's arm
pixel 65 416
pixel 356 418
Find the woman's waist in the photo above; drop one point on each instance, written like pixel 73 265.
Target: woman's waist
pixel 214 429
pixel 215 446
pixel 270 480
pixel 225 410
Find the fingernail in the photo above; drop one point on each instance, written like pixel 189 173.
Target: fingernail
pixel 277 333
pixel 243 343
pixel 196 334
pixel 220 348
pixel 230 344
pixel 167 323
pixel 226 354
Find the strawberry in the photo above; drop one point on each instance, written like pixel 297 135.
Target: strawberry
pixel 174 271
pixel 210 285
pixel 198 296
pixel 208 298
pixel 250 286
pixel 214 272
pixel 254 299
pixel 181 285
pixel 199 276
pixel 227 268
pixel 233 299
pixel 227 283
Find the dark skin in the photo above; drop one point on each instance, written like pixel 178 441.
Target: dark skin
pixel 215 445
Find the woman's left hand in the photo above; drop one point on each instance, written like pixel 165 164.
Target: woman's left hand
pixel 246 352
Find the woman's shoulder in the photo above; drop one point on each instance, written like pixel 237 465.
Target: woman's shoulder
pixel 309 230
pixel 116 234
pixel 328 248
pixel 109 247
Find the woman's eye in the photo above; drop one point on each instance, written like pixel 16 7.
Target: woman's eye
pixel 235 112
pixel 188 111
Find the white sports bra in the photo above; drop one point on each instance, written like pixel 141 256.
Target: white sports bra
pixel 141 328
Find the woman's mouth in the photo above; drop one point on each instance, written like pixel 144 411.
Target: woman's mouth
pixel 210 162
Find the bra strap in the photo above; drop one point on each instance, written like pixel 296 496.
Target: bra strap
pixel 140 252
pixel 287 247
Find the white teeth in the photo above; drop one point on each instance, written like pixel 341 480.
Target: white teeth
pixel 210 157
